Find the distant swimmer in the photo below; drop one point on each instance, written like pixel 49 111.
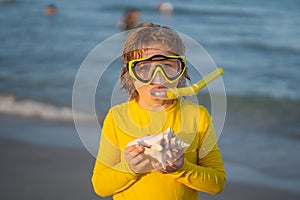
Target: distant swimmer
pixel 165 8
pixel 50 10
pixel 130 19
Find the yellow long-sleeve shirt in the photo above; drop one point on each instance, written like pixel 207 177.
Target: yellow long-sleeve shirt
pixel 203 168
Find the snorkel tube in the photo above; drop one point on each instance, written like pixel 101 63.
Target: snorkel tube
pixel 174 93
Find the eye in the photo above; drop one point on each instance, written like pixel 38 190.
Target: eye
pixel 143 68
pixel 170 65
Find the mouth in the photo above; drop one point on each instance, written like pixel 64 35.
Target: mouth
pixel 156 90
pixel 156 87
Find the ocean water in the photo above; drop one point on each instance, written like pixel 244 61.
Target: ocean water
pixel 256 42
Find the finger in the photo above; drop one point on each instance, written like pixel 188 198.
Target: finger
pixel 171 165
pixel 143 164
pixel 178 158
pixel 139 167
pixel 136 160
pixel 158 167
pixel 170 168
pixel 155 165
pixel 135 148
pixel 133 151
pixel 130 148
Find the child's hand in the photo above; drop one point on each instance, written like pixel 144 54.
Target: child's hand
pixel 171 167
pixel 134 157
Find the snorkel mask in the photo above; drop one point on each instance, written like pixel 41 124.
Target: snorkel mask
pixel 145 70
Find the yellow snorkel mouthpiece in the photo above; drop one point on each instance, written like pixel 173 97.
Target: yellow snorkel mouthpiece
pixel 174 93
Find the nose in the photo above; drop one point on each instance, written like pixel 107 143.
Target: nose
pixel 158 79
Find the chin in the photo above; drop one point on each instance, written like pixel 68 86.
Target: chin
pixel 155 100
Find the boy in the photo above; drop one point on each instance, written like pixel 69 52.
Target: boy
pixel 153 59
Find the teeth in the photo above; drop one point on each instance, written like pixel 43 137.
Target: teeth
pixel 162 146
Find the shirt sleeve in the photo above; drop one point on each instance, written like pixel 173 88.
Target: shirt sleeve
pixel 110 167
pixel 208 174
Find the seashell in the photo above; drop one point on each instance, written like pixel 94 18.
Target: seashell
pixel 162 146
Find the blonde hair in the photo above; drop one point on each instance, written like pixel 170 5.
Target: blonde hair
pixel 138 41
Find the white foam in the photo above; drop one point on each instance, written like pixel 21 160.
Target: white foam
pixel 30 108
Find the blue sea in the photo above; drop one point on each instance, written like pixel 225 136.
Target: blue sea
pixel 256 42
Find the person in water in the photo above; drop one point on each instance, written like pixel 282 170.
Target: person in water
pixel 130 19
pixel 153 58
pixel 50 10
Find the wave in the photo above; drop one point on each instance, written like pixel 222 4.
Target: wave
pixel 274 115
pixel 213 11
pixel 185 9
pixel 13 105
pixel 7 2
pixel 251 113
pixel 271 47
pixel 256 45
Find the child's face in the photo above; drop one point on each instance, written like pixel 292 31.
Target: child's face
pixel 158 82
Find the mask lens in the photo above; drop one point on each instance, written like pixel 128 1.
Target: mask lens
pixel 144 70
pixel 172 68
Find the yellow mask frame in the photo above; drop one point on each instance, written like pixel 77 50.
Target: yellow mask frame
pixel 158 68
